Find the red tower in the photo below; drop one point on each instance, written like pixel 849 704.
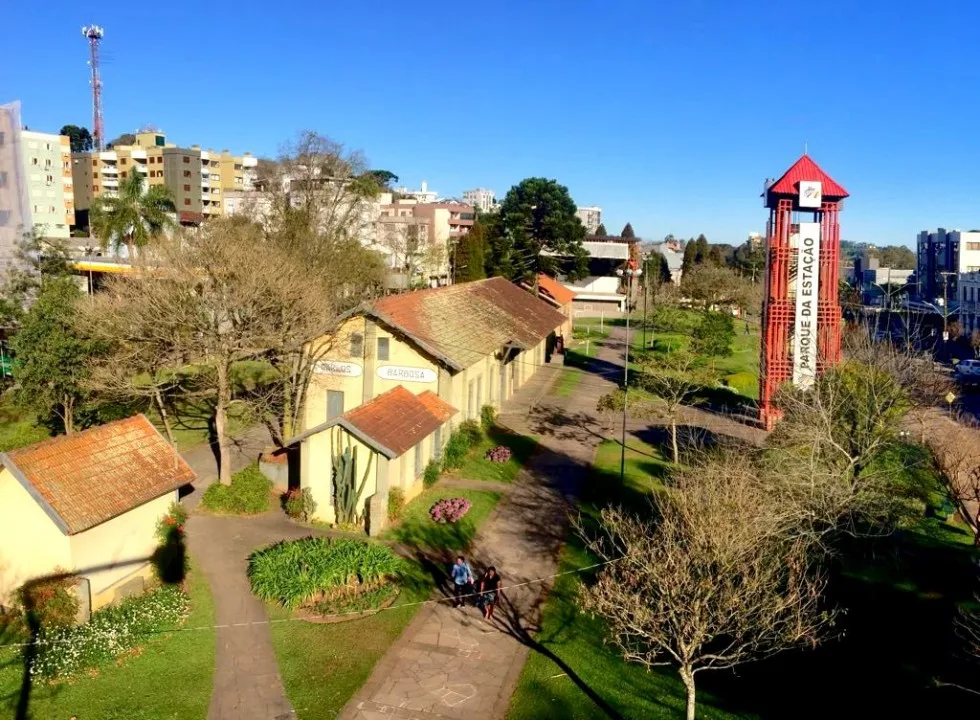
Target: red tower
pixel 801 315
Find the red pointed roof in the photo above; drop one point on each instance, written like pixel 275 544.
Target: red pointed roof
pixel 806 169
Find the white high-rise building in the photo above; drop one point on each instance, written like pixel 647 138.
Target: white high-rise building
pixel 591 218
pixel 420 196
pixel 482 198
pixel 46 162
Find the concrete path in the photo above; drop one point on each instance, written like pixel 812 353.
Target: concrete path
pixel 450 663
pixel 244 450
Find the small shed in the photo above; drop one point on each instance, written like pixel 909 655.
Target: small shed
pixel 88 504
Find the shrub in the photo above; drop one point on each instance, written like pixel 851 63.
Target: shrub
pixel 50 603
pixel 455 453
pixel 472 432
pixel 431 474
pixel 64 651
pixel 247 494
pixel 170 558
pixel 488 417
pixel 450 510
pixel 499 454
pixel 299 504
pixel 396 503
pixel 313 570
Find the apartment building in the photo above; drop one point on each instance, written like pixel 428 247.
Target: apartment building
pixel 591 218
pixel 46 166
pixel 942 257
pixel 460 219
pixel 424 195
pixel 15 216
pixel 968 311
pixel 482 198
pixel 237 172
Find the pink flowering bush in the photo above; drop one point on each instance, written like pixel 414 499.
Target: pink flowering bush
pixel 450 510
pixel 499 454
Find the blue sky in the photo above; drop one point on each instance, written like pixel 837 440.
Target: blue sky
pixel 668 115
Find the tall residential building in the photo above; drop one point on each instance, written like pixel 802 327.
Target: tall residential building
pixel 485 200
pixel 196 178
pixel 15 216
pixel 46 163
pixel 943 256
pixel 591 218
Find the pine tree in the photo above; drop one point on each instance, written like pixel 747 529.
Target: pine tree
pixel 701 250
pixel 601 231
pixel 690 256
pixel 628 232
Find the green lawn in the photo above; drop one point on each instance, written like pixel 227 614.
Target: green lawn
pixel 571 672
pixel 323 665
pixel 477 467
pixel 169 677
pixel 417 529
pixel 568 382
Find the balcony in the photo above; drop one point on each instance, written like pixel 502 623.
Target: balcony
pixel 110 170
pixel 138 154
pixel 110 182
pixel 140 168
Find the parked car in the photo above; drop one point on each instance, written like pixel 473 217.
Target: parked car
pixel 968 368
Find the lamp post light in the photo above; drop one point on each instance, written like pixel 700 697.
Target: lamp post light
pixel 630 272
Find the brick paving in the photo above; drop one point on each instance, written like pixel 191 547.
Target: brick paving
pixel 450 663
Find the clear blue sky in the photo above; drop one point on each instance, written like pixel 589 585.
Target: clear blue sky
pixel 666 114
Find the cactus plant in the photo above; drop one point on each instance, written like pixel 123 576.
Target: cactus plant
pixel 347 492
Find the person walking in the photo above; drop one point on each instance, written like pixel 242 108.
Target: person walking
pixel 462 580
pixel 489 591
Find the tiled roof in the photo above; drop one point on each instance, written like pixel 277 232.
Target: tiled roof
pixel 461 324
pixel 806 169
pixel 397 420
pixel 95 475
pixel 561 294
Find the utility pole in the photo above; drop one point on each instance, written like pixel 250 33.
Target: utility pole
pixel 946 275
pixel 630 272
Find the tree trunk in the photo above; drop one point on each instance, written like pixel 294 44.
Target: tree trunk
pixel 688 677
pixel 130 248
pixel 221 424
pixel 164 418
pixel 673 440
pixel 68 416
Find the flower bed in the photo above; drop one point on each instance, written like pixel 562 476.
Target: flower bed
pixel 450 510
pixel 312 571
pixel 499 454
pixel 66 650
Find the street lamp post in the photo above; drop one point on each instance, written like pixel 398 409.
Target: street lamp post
pixel 630 272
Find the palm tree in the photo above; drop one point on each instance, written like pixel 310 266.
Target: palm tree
pixel 134 217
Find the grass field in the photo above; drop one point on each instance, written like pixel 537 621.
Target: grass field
pixel 900 594
pixel 417 529
pixel 477 467
pixel 167 678
pixel 568 381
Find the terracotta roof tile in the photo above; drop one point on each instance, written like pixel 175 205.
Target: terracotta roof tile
pixel 462 324
pixel 806 169
pixel 398 420
pixel 98 474
pixel 561 294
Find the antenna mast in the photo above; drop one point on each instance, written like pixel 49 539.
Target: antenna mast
pixel 94 34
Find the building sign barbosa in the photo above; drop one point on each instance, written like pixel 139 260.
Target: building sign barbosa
pixel 407 374
pixel 807 292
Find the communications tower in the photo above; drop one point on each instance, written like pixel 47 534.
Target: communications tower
pixel 94 34
pixel 801 315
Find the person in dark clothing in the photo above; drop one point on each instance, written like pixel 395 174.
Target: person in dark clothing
pixel 490 590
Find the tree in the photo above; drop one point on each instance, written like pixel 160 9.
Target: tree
pixel 627 231
pixel 708 286
pixel 124 139
pixel 79 138
pixel 701 250
pixel 601 231
pixel 537 216
pixel 750 259
pixel 690 255
pixel 714 256
pixel 51 355
pixel 39 261
pixel 384 178
pixel 469 254
pixel 714 335
pixel 656 272
pixel 134 218
pixel 713 582
pixel 672 377
pixel 217 296
pixel 895 256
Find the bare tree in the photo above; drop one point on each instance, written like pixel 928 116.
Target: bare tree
pixel 213 298
pixel 968 629
pixel 957 459
pixel 672 377
pixel 714 582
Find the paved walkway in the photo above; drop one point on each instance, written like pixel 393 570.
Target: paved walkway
pixel 450 663
pixel 244 450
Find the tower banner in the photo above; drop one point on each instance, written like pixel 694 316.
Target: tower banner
pixel 805 323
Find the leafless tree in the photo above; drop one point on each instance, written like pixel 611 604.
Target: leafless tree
pixel 672 377
pixel 713 582
pixel 209 300
pixel 707 286
pixel 968 629
pixel 957 459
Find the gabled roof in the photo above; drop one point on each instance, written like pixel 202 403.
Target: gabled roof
pixel 558 292
pixel 806 169
pixel 459 325
pixel 92 476
pixel 392 423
